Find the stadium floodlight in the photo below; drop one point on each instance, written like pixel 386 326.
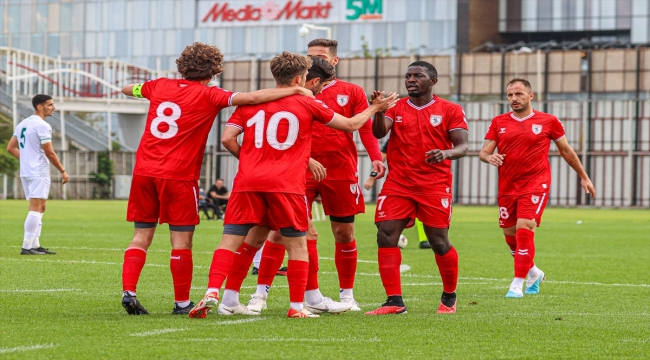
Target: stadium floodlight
pixel 306 28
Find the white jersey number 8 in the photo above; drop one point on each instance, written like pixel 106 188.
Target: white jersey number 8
pixel 169 120
pixel 272 130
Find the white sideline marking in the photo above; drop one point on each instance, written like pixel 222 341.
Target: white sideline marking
pixel 404 268
pixel 278 339
pixel 26 348
pixel 32 291
pixel 359 261
pixel 335 273
pixel 172 330
pixel 157 332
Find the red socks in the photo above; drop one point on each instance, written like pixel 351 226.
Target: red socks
pixel 312 279
pixel 525 252
pixel 297 279
pixel 448 267
pixel 272 257
pixel 220 267
pixel 345 257
pixel 241 263
pixel 182 267
pixel 512 243
pixel 134 259
pixel 389 261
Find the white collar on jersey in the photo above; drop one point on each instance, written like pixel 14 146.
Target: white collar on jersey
pixel 433 100
pixel 329 85
pixel 512 115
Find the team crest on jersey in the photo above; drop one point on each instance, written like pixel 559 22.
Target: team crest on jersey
pixel 399 119
pixel 435 120
pixel 534 199
pixel 353 188
pixel 537 129
pixel 342 100
pixel 445 203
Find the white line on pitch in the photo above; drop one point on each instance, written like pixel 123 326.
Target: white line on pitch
pixel 157 332
pixel 26 348
pixel 276 339
pixel 172 330
pixel 335 273
pixel 38 290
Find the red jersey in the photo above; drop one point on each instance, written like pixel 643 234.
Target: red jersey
pixel 277 139
pixel 180 117
pixel 336 149
pixel 417 130
pixel 525 144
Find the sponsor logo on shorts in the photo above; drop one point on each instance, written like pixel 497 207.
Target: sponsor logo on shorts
pixel 537 129
pixel 353 188
pixel 382 214
pixel 445 203
pixel 342 100
pixel 534 199
pixel 435 120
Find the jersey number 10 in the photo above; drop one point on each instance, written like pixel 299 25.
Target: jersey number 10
pixel 272 129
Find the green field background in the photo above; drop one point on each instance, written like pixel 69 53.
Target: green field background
pixel 594 304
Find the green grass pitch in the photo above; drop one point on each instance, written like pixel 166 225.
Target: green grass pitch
pixel 594 304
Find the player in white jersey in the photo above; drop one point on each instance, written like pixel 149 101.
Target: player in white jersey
pixel 31 143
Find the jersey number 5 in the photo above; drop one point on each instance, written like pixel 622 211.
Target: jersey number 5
pixel 170 120
pixel 272 129
pixel 22 138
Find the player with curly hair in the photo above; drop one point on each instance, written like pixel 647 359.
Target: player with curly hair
pixel 168 162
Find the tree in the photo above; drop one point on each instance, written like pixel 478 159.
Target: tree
pixel 8 163
pixel 103 176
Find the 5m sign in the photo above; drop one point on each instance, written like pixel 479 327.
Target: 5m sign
pixel 364 9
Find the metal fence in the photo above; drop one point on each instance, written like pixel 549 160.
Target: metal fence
pixel 612 138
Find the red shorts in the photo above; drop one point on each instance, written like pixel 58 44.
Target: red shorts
pixel 340 197
pixel 275 210
pixel 528 206
pixel 433 210
pixel 175 202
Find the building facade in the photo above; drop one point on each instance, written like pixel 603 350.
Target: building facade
pixel 151 33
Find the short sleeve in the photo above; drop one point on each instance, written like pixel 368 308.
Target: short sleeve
pixel 457 118
pixel 360 101
pixel 321 112
pixel 44 132
pixel 148 88
pixel 220 98
pixel 492 132
pixel 557 129
pixel 237 119
pixel 390 114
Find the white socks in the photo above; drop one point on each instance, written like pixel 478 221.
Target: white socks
pixel 258 257
pixel 37 243
pixel 346 292
pixel 534 272
pixel 230 298
pixel 313 297
pixel 517 285
pixel 211 290
pixel 32 225
pixel 263 289
pixel 296 305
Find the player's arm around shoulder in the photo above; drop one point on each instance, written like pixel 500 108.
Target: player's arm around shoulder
pixel 266 95
pixel 12 147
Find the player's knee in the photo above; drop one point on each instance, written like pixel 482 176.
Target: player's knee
pixel 529 224
pixel 343 231
pixel 440 243
pixel 386 237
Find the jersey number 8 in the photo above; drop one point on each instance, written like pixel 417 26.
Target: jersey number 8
pixel 272 129
pixel 170 120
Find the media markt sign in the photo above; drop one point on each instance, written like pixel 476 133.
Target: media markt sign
pixel 285 12
pixel 364 9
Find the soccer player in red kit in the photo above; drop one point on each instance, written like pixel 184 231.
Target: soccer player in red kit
pixel 523 137
pixel 427 132
pixel 168 162
pixel 341 195
pixel 269 188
